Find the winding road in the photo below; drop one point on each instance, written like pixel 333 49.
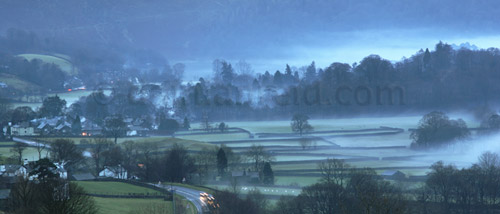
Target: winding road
pixel 191 195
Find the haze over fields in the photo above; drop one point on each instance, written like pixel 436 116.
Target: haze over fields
pixel 342 106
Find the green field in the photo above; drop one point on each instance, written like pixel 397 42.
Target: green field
pixel 114 188
pixel 29 153
pixel 215 137
pixel 62 61
pixel 18 84
pixel 125 206
pixel 163 142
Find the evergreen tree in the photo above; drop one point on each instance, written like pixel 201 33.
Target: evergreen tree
pixel 310 74
pixel 278 78
pixel 288 70
pixel 267 174
pixel 227 73
pixel 427 58
pixel 221 161
pixel 186 125
pixel 76 126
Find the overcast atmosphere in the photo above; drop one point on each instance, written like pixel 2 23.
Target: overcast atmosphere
pixel 249 106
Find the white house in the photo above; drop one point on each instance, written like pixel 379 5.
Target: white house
pixel 61 171
pixel 22 130
pixel 13 170
pixel 114 172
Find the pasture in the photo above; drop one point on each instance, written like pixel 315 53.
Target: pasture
pixel 114 188
pixel 361 142
pixel 127 205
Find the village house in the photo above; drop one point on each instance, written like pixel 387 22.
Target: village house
pixel 23 129
pixel 89 128
pixel 117 172
pixel 63 129
pixel 13 170
pixel 137 131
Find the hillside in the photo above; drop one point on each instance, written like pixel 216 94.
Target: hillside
pixel 62 61
pixel 193 28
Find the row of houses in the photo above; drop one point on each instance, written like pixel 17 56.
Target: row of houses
pixel 13 171
pixel 62 126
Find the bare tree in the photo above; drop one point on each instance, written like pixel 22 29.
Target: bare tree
pixel 334 171
pixel 146 151
pixel 305 142
pixel 206 124
pixel 300 124
pixel 18 149
pixel 234 184
pixel 130 154
pixel 258 155
pixel 65 151
pixel 39 148
pixel 98 147
pixel 205 162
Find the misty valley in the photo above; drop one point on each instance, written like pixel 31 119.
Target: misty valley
pixel 273 107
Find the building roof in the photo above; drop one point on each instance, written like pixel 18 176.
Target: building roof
pixel 63 125
pixel 21 125
pixel 83 177
pixel 89 126
pixel 12 168
pixel 42 125
pixel 115 169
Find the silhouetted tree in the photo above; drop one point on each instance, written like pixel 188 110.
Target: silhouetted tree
pixel 221 162
pixel 66 152
pixel 178 164
pixel 52 106
pixel 185 124
pixel 267 174
pixel 115 127
pixel 300 124
pixel 18 150
pixel 222 127
pixel 76 126
pixel 436 129
pixel 258 155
